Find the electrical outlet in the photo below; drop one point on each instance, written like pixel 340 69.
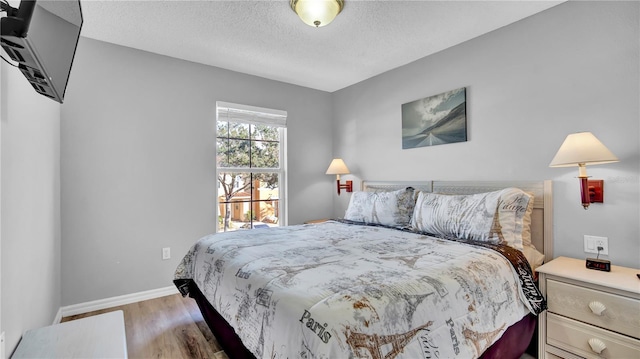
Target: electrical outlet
pixel 166 253
pixel 591 244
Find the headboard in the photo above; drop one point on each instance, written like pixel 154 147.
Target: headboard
pixel 541 217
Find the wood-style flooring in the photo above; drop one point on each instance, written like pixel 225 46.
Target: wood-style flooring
pixel 165 327
pixel 168 327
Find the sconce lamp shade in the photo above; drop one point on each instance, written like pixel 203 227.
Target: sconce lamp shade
pixel 337 167
pixel 582 148
pixel 317 13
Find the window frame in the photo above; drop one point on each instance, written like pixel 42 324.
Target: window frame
pixel 272 117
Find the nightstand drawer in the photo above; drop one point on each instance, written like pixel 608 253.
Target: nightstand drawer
pixel 574 337
pixel 620 314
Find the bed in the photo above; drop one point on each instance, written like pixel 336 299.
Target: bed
pixel 397 278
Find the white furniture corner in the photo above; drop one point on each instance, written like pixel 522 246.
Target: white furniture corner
pixel 591 314
pixel 98 336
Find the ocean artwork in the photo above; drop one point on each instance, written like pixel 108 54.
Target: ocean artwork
pixel 435 120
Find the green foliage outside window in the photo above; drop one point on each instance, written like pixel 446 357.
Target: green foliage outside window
pixel 250 146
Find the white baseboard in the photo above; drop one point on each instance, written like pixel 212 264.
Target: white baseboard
pixel 58 317
pixel 82 308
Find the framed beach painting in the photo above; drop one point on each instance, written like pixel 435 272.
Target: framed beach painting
pixel 435 120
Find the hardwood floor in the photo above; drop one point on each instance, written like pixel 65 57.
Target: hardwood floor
pixel 168 327
pixel 165 327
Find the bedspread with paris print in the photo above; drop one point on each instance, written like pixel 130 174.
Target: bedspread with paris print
pixel 338 290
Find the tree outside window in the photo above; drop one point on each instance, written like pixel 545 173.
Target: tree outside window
pixel 250 169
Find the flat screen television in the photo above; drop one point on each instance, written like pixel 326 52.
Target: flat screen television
pixel 42 37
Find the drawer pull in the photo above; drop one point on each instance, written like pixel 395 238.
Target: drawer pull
pixel 597 308
pixel 597 345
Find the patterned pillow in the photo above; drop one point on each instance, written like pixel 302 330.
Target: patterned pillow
pixel 534 257
pixel 458 216
pixel 387 208
pixel 513 218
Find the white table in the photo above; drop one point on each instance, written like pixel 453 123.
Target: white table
pixel 99 336
pixel 591 314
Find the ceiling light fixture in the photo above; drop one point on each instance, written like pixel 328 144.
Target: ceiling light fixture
pixel 317 13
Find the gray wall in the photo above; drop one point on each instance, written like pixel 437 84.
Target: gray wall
pixel 136 143
pixel 138 163
pixel 30 274
pixel 571 68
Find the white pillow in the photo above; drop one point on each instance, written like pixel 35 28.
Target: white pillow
pixel 459 216
pixel 534 257
pixel 526 223
pixel 513 218
pixel 392 208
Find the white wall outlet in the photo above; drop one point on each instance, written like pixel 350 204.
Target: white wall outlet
pixel 166 253
pixel 591 244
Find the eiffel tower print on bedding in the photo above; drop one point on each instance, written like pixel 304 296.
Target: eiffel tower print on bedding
pixel 340 290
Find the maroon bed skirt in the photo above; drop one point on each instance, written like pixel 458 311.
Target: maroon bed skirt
pixel 513 343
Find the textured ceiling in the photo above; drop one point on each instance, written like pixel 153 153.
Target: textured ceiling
pixel 267 39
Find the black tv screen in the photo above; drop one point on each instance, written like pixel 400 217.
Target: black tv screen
pixel 42 36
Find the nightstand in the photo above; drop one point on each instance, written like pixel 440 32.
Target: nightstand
pixel 592 314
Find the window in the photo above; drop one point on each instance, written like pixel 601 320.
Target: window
pixel 250 167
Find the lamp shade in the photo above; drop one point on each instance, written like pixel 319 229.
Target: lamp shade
pixel 317 13
pixel 582 148
pixel 337 167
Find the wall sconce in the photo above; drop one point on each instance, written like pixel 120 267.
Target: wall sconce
pixel 580 149
pixel 337 167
